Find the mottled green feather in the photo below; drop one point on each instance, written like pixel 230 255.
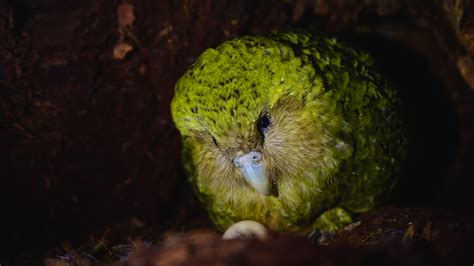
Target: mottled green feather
pixel 336 138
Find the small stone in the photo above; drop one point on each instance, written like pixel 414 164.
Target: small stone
pixel 121 50
pixel 246 230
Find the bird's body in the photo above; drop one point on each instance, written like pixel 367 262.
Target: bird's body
pixel 283 128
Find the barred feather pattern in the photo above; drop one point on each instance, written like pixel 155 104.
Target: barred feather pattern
pixel 336 138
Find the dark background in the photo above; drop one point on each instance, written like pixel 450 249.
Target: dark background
pixel 87 147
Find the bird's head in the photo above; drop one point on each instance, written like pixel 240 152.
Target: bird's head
pixel 251 113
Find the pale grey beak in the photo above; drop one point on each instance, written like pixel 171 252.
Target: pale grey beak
pixel 254 171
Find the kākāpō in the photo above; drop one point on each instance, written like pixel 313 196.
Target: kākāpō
pixel 293 130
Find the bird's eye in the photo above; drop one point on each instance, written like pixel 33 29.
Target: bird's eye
pixel 215 141
pixel 264 123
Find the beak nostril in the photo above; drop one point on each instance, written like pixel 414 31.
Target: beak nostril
pixel 251 157
pixel 256 157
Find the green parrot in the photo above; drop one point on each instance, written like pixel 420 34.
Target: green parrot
pixel 292 130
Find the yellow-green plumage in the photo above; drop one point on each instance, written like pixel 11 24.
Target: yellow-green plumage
pixel 335 139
